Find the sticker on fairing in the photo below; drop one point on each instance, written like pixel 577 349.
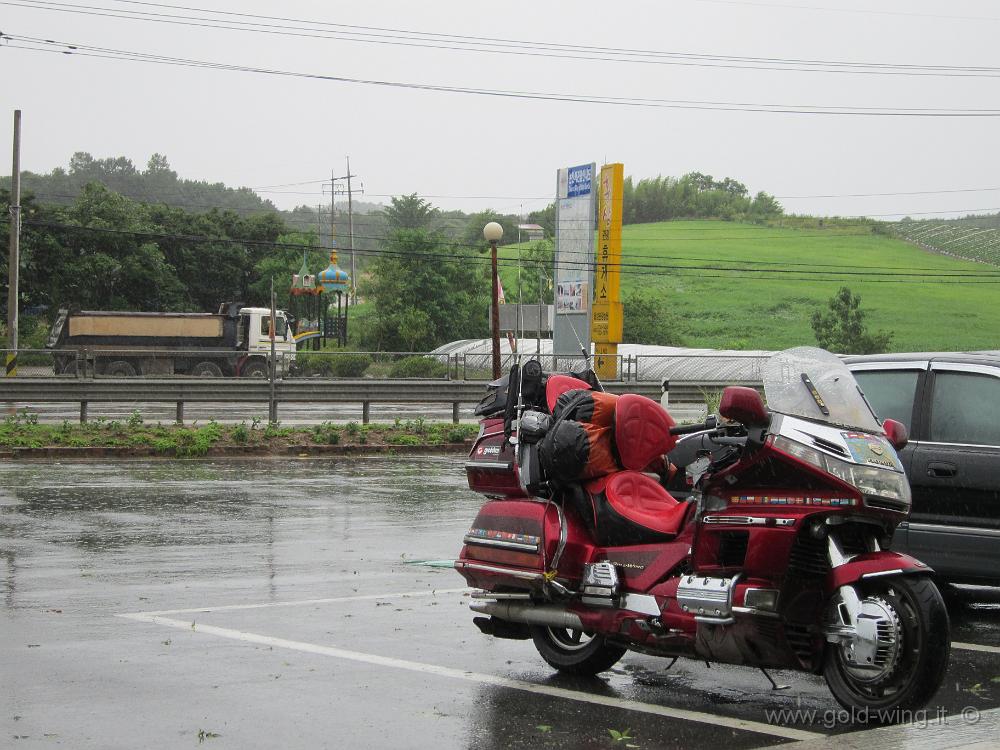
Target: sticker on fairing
pixel 872 450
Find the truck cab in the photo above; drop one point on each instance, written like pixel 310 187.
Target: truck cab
pixel 254 336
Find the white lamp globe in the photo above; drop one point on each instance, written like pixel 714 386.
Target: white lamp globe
pixel 493 232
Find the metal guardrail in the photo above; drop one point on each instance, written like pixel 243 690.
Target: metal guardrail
pixel 308 390
pixel 733 367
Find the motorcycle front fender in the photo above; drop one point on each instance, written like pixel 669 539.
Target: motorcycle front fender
pixel 873 565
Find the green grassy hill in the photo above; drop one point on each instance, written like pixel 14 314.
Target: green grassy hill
pixel 749 310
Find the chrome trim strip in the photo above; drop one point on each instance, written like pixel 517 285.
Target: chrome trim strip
pixel 735 520
pixel 880 573
pixel 965 367
pixel 702 619
pixel 643 603
pixel 934 527
pixel 520 547
pixel 911 365
pixel 960 445
pixel 522 574
pixel 754 612
pixel 489 465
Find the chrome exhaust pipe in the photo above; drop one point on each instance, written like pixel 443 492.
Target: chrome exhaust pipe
pixel 546 615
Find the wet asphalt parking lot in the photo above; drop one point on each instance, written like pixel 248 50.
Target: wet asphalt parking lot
pixel 311 603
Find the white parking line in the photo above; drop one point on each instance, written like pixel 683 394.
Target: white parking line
pixel 294 603
pixel 975 647
pixel 950 733
pixel 477 677
pixel 157 618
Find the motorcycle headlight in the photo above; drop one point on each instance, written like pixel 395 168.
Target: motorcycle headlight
pixel 882 488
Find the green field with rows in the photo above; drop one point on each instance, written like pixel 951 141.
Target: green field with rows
pixel 743 286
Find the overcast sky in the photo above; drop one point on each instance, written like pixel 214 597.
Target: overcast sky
pixel 249 129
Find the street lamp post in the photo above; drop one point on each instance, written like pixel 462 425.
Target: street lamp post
pixel 493 232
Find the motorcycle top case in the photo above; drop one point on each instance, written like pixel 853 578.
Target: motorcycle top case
pixel 491 469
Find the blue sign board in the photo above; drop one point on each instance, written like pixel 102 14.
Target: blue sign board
pixel 579 180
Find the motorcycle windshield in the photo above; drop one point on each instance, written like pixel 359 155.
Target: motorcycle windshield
pixel 813 384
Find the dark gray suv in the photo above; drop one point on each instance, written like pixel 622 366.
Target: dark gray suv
pixel 950 403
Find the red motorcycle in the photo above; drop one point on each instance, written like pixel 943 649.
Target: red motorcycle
pixel 776 559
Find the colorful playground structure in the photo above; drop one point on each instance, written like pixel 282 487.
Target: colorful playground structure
pixel 312 304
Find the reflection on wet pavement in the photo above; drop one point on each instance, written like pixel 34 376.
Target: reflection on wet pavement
pixel 81 543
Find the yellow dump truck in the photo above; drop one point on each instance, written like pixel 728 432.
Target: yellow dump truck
pixel 235 341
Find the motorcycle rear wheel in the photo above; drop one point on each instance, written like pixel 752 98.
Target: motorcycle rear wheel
pixel 919 657
pixel 575 652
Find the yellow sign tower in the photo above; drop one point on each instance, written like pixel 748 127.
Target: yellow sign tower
pixel 606 323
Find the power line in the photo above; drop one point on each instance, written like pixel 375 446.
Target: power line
pixel 34 44
pixel 942 276
pixel 226 20
pixel 866 11
pixel 291 184
pixel 879 195
pixel 660 239
pixel 934 213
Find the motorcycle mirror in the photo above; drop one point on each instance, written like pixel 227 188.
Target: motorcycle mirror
pixel 743 405
pixel 896 432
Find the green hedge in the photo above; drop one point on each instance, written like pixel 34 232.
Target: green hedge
pixel 340 365
pixel 418 367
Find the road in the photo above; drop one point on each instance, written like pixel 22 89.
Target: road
pixel 309 603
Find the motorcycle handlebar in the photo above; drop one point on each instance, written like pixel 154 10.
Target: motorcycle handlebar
pixel 691 428
pixel 729 440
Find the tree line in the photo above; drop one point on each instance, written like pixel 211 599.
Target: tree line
pixel 106 235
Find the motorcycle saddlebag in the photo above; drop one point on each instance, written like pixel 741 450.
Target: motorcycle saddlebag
pixel 510 544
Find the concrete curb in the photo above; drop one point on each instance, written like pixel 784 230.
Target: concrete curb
pixel 229 451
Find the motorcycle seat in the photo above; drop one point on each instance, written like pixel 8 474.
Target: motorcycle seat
pixel 642 431
pixel 631 508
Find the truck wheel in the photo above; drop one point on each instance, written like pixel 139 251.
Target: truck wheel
pixel 206 370
pixel 255 370
pixel 120 369
pixel 69 367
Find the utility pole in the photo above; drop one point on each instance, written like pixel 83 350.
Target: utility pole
pixel 15 249
pixel 349 192
pixel 350 224
pixel 272 404
pixel 333 215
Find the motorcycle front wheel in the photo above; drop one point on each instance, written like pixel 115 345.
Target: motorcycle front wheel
pixel 912 655
pixel 574 651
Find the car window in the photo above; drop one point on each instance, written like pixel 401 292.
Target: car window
pixel 966 409
pixel 890 392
